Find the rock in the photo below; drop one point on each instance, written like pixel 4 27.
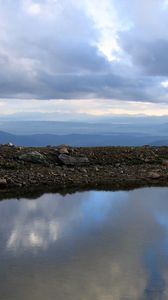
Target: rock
pixel 18 184
pixel 154 175
pixel 19 148
pixel 117 164
pixel 63 145
pixel 3 182
pixel 34 157
pixel 73 161
pixel 9 145
pixel 147 160
pixel 63 150
pixel 165 162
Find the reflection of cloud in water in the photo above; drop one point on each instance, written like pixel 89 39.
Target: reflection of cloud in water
pixel 40 223
pixel 93 245
pixel 37 234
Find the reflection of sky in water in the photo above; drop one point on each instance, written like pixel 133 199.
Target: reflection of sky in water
pixel 39 223
pixel 97 206
pixel 90 245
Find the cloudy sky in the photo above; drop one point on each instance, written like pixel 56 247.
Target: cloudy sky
pixel 84 57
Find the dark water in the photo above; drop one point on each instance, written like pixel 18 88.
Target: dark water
pixel 85 246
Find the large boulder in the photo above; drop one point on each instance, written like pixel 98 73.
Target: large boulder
pixel 73 161
pixel 33 157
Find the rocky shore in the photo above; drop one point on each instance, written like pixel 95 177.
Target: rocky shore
pixel 70 167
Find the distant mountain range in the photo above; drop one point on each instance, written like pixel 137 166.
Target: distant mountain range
pixel 118 126
pixel 119 139
pixel 160 142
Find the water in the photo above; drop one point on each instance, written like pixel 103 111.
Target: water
pixel 85 246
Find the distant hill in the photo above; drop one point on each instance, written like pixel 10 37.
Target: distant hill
pixel 160 143
pixel 123 126
pixel 122 139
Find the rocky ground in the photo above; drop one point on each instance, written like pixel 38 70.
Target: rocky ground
pixel 68 167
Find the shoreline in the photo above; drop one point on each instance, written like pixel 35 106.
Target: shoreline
pixel 24 169
pixel 37 191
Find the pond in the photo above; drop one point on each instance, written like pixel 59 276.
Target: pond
pixel 85 246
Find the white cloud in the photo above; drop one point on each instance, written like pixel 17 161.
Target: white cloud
pixel 80 109
pixel 165 4
pixel 32 8
pixel 165 84
pixel 105 19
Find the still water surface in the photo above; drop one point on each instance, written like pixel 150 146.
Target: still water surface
pixel 85 246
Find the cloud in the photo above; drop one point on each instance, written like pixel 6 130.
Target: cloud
pixel 67 234
pixel 70 50
pixel 146 40
pixel 53 48
pixel 165 84
pixel 149 56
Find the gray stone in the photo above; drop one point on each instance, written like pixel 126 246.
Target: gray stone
pixel 117 165
pixel 3 182
pixel 73 161
pixel 9 144
pixel 154 175
pixel 63 150
pixel 34 157
pixel 165 162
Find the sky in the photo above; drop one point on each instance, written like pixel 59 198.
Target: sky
pixel 84 58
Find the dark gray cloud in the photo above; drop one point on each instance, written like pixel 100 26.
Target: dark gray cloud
pixel 146 41
pixel 66 86
pixel 49 50
pixel 149 56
